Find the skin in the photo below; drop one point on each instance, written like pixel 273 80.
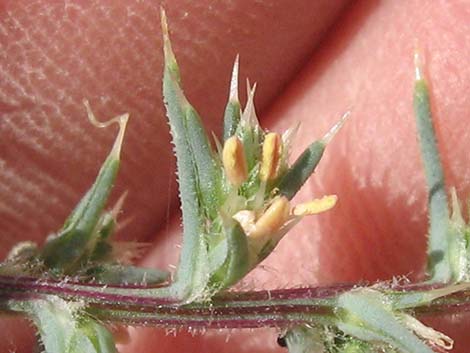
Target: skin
pixel 312 61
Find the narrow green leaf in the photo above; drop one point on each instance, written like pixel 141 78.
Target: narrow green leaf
pixel 439 264
pixel 189 274
pixel 75 241
pixel 301 170
pixel 305 165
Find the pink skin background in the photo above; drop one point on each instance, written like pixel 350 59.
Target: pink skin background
pixel 313 60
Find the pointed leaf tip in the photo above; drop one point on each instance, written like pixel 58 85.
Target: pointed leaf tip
pixel 233 97
pixel 120 119
pixel 419 64
pixel 334 130
pixel 164 23
pixel 169 56
pixel 233 109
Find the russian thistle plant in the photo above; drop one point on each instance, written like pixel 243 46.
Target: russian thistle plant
pixel 236 207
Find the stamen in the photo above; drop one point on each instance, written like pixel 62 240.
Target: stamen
pixel 315 206
pixel 233 159
pixel 271 156
pixel 273 218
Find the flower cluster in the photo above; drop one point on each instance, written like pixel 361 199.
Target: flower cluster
pixel 235 199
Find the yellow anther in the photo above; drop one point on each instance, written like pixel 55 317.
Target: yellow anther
pixel 233 159
pixel 273 218
pixel 271 156
pixel 315 206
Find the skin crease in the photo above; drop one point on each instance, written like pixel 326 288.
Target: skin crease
pixel 364 64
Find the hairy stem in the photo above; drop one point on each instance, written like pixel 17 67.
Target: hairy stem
pixel 276 308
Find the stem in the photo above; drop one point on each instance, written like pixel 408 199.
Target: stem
pixel 277 308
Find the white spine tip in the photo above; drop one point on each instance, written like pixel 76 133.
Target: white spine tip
pixel 249 114
pixel 234 81
pixel 334 130
pixel 167 50
pixel 164 22
pixel 418 62
pixel 250 90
